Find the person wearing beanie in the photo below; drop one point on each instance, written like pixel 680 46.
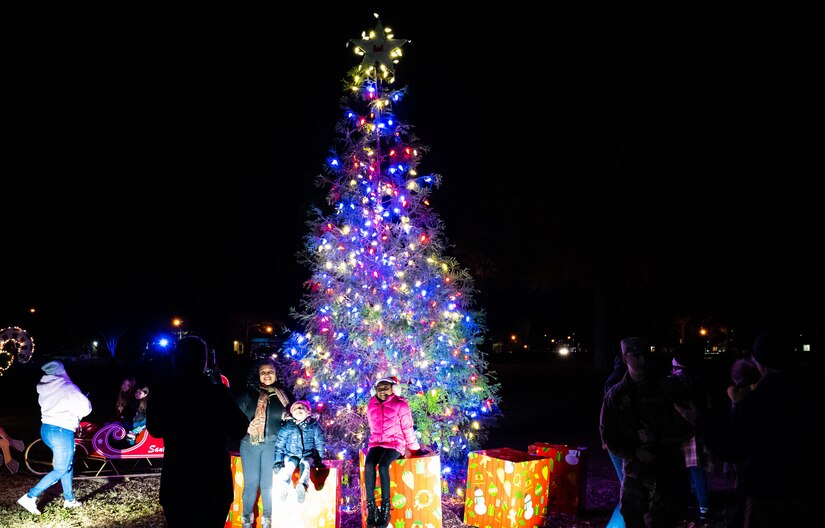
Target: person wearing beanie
pixel 62 405
pixel 300 444
pixel 391 435
pixel 264 402
pixel 744 375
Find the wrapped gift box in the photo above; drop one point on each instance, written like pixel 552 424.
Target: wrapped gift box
pixel 234 518
pixel 566 493
pixel 506 488
pixel 415 488
pixel 319 510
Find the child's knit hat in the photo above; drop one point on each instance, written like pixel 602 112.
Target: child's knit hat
pixel 301 402
pixel 392 380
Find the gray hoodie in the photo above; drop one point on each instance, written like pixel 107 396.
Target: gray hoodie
pixel 61 402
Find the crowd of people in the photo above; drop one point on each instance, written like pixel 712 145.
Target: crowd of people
pixel 664 432
pixel 660 426
pixel 275 433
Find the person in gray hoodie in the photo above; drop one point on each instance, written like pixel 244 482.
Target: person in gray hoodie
pixel 62 405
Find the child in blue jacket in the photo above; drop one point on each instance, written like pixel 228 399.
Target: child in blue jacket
pixel 300 443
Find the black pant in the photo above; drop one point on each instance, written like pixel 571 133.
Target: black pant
pixel 381 457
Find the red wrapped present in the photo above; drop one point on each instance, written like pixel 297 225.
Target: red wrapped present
pixel 566 493
pixel 415 487
pixel 506 488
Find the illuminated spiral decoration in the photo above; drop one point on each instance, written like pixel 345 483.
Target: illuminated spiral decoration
pixel 14 343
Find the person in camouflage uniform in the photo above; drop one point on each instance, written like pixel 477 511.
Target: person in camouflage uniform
pixel 639 423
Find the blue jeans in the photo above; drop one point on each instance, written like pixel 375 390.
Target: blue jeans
pixel 616 519
pixel 61 442
pixel 257 461
pixel 700 485
pixel 292 462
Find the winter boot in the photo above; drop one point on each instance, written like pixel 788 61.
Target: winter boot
pixel 372 513
pixel 383 518
pixel 301 491
pixel 266 522
pixel 247 520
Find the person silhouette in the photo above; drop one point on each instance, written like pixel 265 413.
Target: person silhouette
pixel 196 486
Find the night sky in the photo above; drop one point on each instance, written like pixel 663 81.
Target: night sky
pixel 161 165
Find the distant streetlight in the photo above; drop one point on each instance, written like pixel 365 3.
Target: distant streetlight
pixel 177 322
pixel 265 327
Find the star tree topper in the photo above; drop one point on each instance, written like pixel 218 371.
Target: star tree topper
pixel 379 49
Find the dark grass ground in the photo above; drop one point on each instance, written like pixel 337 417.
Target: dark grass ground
pixel 544 399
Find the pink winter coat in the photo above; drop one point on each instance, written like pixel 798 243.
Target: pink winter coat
pixel 391 424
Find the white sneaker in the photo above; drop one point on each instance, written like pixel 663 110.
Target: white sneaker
pixel 74 503
pixel 30 503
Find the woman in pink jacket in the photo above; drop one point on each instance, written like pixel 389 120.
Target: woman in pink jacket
pixel 391 433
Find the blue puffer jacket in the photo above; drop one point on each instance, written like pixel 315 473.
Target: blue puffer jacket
pixel 301 440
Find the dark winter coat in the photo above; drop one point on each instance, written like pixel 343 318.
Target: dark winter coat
pixel 275 412
pixel 776 431
pixel 196 419
pixel 302 440
pixel 630 406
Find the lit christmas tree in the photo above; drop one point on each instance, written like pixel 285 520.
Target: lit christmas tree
pixel 383 299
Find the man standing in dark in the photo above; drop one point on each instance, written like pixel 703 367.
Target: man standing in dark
pixel 196 419
pixel 640 425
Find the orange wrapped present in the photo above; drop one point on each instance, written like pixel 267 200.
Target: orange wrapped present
pixel 566 494
pixel 415 485
pixel 506 488
pixel 233 520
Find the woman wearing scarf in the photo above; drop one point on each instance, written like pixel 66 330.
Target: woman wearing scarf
pixel 264 401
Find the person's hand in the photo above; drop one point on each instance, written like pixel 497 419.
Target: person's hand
pixel 690 413
pixel 643 455
pixel 646 436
